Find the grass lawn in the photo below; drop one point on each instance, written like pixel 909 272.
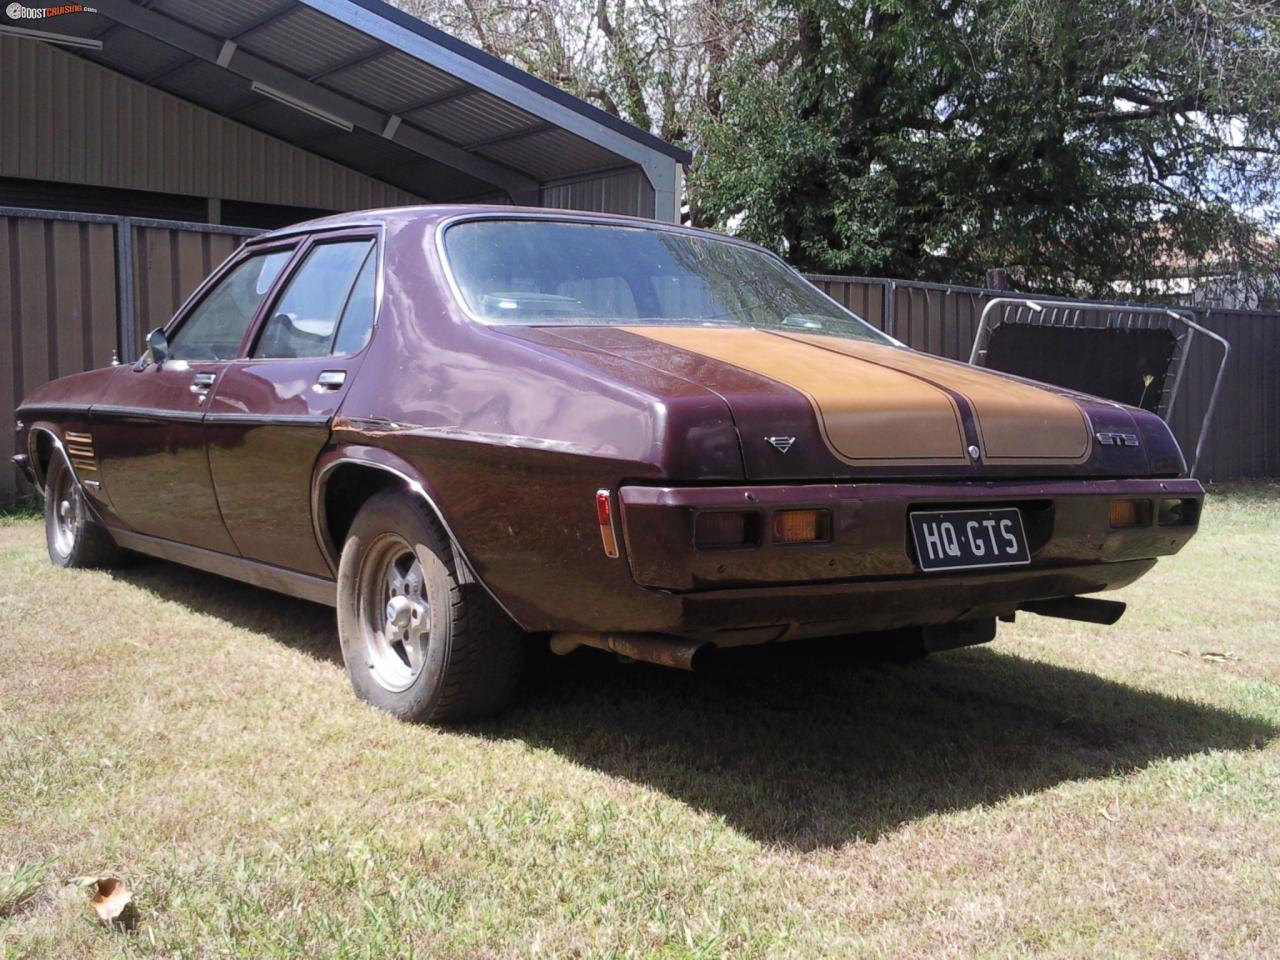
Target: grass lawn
pixel 1070 790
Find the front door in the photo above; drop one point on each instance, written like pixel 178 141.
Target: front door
pixel 269 416
pixel 148 431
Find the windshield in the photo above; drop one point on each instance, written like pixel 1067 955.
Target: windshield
pixel 546 272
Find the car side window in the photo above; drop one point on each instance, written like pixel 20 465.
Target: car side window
pixel 307 319
pixel 357 319
pixel 214 328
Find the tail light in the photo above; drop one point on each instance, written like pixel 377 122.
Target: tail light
pixel 722 529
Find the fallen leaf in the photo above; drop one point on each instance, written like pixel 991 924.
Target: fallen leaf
pixel 1214 657
pixel 113 902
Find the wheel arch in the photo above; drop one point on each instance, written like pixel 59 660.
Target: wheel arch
pixel 345 478
pixel 43 444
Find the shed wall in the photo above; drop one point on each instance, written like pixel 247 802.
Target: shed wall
pixel 619 191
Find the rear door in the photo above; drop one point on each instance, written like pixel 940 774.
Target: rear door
pixel 270 416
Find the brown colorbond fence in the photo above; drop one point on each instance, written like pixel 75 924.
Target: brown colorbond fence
pixel 168 265
pixel 1244 436
pixel 75 287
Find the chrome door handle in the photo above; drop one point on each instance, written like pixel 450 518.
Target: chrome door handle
pixel 201 382
pixel 331 379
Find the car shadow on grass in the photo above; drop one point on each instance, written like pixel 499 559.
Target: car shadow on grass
pixel 304 626
pixel 809 746
pixel 806 745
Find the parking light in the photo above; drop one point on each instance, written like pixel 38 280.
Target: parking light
pixel 801 526
pixel 1130 513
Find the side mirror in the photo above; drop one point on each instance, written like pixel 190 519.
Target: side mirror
pixel 158 345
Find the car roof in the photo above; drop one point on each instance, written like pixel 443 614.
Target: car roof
pixel 436 213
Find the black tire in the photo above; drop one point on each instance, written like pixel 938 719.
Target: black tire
pixel 470 657
pixel 74 539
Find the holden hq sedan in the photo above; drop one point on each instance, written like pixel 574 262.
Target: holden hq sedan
pixel 471 427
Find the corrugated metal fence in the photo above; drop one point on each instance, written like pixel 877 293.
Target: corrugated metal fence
pixel 1244 438
pixel 75 289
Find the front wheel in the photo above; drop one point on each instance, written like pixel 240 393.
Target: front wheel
pixel 416 642
pixel 72 536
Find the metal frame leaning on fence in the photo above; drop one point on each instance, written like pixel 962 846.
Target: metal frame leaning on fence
pixel 1069 313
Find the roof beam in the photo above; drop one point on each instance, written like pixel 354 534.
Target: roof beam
pixel 356 61
pixel 168 72
pixel 457 93
pixel 511 135
pixel 263 21
pixel 199 44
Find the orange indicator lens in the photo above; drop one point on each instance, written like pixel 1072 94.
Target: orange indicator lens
pixel 1130 513
pixel 800 526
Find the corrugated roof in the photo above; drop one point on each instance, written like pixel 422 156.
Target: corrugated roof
pixel 306 42
pixel 393 82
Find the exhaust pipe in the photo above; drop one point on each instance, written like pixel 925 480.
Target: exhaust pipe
pixel 656 648
pixel 1088 609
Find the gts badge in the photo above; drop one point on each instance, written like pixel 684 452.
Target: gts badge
pixel 781 444
pixel 1117 439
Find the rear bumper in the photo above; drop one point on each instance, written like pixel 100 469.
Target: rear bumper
pixel 866 577
pixel 761 614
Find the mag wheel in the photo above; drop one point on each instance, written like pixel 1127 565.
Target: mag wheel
pixel 417 642
pixel 395 612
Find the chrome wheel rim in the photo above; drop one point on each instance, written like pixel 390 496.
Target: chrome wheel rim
pixel 66 513
pixel 395 616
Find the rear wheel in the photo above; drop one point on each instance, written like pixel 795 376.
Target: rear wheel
pixel 74 539
pixel 417 643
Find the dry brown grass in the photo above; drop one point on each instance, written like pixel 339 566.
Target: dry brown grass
pixel 1070 791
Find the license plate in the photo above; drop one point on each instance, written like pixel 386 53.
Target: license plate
pixel 968 539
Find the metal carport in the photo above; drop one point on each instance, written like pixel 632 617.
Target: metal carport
pixel 371 88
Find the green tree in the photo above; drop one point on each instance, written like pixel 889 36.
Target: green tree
pixel 1078 143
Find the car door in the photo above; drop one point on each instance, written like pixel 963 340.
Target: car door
pixel 148 430
pixel 270 413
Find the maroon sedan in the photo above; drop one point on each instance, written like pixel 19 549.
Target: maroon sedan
pixel 466 426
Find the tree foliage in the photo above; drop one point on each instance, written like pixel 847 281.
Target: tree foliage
pixel 1076 142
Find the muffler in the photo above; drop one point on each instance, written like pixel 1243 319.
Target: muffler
pixel 1088 609
pixel 656 648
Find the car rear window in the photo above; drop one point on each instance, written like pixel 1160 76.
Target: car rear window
pixel 550 272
